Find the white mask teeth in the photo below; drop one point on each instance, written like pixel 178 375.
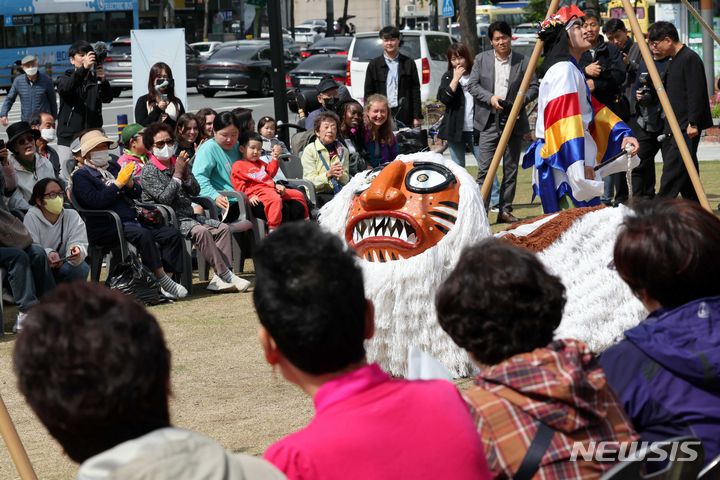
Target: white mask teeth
pixel 392 227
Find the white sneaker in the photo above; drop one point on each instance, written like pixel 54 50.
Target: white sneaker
pixel 240 284
pixel 18 322
pixel 217 284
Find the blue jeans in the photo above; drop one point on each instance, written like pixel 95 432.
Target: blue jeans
pixel 69 272
pixel 28 274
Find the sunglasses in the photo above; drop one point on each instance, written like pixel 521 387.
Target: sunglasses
pixel 162 143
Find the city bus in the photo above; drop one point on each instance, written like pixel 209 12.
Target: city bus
pixel 47 28
pixel 644 11
pixel 512 13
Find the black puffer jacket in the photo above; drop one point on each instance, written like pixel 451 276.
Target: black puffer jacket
pixel 81 97
pixel 612 78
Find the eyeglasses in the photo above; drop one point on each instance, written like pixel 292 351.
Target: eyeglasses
pixel 53 195
pixel 655 43
pixel 162 143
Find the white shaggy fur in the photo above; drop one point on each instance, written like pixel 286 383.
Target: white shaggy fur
pixel 600 306
pixel 403 291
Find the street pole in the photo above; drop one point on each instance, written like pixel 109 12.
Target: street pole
pixel 277 54
pixel 330 20
pixel 384 13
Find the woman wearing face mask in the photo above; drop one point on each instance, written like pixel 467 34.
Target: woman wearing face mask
pixel 101 185
pixel 160 104
pixel 187 133
pixel 380 142
pixel 168 180
pixel 59 231
pixel 29 165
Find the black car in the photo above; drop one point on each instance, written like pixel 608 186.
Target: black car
pixel 243 65
pixel 337 45
pixel 308 74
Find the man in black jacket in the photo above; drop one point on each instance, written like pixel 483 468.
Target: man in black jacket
pixel 395 75
pixel 687 89
pixel 83 89
pixel 617 35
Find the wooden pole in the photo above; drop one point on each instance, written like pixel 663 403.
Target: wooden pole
pixel 515 111
pixel 701 21
pixel 14 445
pixel 665 102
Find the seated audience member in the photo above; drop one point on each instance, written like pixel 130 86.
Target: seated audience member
pixel 133 148
pixel 101 185
pixel 380 142
pixel 45 124
pixel 351 134
pixel 325 161
pixel 667 369
pixel 367 425
pixel 214 161
pixel 167 180
pixel 254 178
pixel 206 117
pixel 61 232
pixel 29 165
pixel 187 132
pixel 25 264
pixel 266 127
pixel 502 306
pixel 328 96
pixel 103 395
pixel 244 118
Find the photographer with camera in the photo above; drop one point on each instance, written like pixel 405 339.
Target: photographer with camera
pixel 494 81
pixel 82 89
pixel 160 104
pixel 648 123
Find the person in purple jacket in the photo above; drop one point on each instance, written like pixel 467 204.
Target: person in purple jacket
pixel 666 371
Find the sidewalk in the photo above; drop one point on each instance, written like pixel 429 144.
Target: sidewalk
pixel 707 151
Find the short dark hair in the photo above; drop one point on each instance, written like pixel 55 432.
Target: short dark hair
pixel 614 25
pixel 390 31
pixel 38 191
pixel 499 26
pixel 153 129
pixel 93 365
pixel 246 137
pixel 326 116
pixel 309 296
pixel 243 116
pixel 500 301
pixel 36 118
pixel 662 29
pixel 590 14
pixel 263 120
pixel 224 120
pixel 81 46
pixel 670 249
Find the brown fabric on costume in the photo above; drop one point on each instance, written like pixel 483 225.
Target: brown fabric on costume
pixel 547 234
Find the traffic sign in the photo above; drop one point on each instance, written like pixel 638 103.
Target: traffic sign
pixel 448 9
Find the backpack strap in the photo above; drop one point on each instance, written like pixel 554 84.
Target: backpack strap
pixel 531 462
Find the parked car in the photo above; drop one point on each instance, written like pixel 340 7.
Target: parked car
pixel 336 45
pixel 428 49
pixel 308 74
pixel 524 33
pixel 206 48
pixel 243 65
pixel 118 65
pixel 309 34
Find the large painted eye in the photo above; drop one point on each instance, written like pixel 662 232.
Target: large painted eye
pixel 369 178
pixel 422 179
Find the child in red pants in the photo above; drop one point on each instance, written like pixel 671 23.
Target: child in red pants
pixel 254 178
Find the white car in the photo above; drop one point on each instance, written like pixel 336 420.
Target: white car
pixel 525 33
pixel 428 49
pixel 309 34
pixel 206 48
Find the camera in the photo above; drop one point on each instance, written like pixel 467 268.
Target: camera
pixel 645 92
pixel 101 51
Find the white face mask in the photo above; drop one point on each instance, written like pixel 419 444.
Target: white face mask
pixel 48 134
pixel 100 159
pixel 30 71
pixel 164 153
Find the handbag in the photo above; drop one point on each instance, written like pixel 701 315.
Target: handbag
pixel 13 233
pixel 133 278
pixel 148 216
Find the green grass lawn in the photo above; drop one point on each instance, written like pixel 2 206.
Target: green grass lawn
pixel 220 382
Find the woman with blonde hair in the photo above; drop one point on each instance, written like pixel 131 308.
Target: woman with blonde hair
pixel 380 142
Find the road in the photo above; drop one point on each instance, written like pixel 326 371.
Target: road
pixel 124 105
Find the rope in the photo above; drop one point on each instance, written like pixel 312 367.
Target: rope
pixel 628 173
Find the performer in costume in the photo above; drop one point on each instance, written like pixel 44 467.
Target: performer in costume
pixel 574 131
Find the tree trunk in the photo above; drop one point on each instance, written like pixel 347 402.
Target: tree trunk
pixel 397 14
pixel 468 25
pixel 205 21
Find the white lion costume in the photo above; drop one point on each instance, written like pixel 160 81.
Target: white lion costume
pixel 409 223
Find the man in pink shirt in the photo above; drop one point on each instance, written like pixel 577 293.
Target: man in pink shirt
pixel 315 318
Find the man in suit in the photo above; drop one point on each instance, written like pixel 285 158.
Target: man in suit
pixel 494 82
pixel 395 75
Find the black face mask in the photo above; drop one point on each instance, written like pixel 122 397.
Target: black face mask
pixel 330 103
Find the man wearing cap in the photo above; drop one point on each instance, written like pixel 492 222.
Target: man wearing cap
pixel 328 95
pixel 35 90
pixel 134 148
pixel 395 75
pixel 29 166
